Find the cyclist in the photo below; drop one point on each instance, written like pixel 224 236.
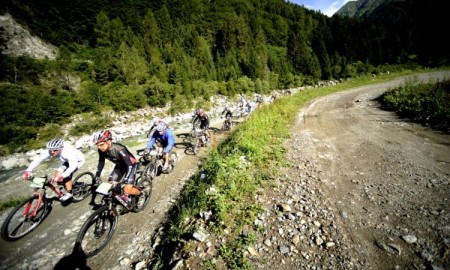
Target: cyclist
pixel 71 160
pixel 201 116
pixel 227 111
pixel 155 121
pixel 126 163
pixel 165 136
pixel 228 115
pixel 259 100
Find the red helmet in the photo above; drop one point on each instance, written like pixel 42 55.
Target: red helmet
pixel 102 136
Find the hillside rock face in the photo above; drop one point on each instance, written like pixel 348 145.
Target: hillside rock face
pixel 19 41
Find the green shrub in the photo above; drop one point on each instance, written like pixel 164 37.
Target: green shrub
pixel 426 103
pixel 90 125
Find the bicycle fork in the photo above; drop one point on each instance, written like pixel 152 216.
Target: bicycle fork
pixel 27 209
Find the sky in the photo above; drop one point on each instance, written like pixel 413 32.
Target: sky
pixel 327 7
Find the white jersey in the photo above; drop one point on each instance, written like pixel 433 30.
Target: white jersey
pixel 69 155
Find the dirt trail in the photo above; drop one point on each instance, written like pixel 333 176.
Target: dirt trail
pixel 368 180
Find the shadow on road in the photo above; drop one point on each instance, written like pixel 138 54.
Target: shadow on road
pixel 76 260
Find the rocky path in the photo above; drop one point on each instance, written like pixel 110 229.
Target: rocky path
pixel 365 190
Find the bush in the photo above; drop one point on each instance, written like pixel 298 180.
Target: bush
pixel 90 125
pixel 426 103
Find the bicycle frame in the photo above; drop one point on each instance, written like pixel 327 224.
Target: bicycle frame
pixel 41 197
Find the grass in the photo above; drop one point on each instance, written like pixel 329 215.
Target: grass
pixel 236 171
pixel 10 203
pixel 425 103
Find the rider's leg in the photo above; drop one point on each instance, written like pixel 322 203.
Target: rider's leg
pixel 129 187
pixel 166 161
pixel 68 186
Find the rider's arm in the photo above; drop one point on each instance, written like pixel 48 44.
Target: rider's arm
pixel 206 122
pixel 129 161
pixel 152 140
pixel 170 141
pixel 42 157
pixel 195 120
pixel 151 128
pixel 101 164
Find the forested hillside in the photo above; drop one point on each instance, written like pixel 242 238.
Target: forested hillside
pixel 132 54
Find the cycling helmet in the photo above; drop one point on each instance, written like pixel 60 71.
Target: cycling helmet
pixel 102 136
pixel 155 121
pixel 55 144
pixel 199 111
pixel 161 127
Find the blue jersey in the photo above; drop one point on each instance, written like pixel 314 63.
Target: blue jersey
pixel 167 140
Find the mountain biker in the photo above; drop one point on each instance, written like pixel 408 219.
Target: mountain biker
pixel 125 163
pixel 71 160
pixel 201 116
pixel 227 111
pixel 155 121
pixel 165 136
pixel 242 100
pixel 259 100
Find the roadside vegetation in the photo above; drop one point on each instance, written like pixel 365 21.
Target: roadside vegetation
pixel 425 103
pixel 234 174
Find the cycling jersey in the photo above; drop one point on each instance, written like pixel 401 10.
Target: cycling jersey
pixel 119 155
pixel 204 121
pixel 227 112
pixel 167 140
pixel 70 157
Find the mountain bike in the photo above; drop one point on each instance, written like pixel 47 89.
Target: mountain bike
pixel 200 141
pixel 27 216
pixel 100 226
pixel 193 134
pixel 227 124
pixel 154 162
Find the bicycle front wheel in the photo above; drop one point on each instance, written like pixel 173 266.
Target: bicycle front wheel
pixel 149 171
pixel 173 160
pixel 96 232
pixel 82 186
pixel 142 200
pixel 24 218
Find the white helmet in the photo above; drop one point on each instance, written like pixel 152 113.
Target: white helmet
pixel 55 144
pixel 161 127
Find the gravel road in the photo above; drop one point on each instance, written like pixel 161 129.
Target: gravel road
pixel 365 190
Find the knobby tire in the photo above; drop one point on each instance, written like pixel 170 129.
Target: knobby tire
pixel 146 187
pixel 82 186
pixel 96 232
pixel 17 225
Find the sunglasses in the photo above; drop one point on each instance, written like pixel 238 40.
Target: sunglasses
pixel 54 150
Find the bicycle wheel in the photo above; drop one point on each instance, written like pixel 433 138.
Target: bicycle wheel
pixel 196 148
pixel 82 186
pixel 149 171
pixel 192 135
pixel 146 186
pixel 173 160
pixel 21 221
pixel 96 232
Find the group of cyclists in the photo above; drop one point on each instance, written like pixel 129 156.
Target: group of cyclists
pixel 125 162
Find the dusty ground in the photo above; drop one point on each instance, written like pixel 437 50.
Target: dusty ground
pixel 366 190
pixel 361 181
